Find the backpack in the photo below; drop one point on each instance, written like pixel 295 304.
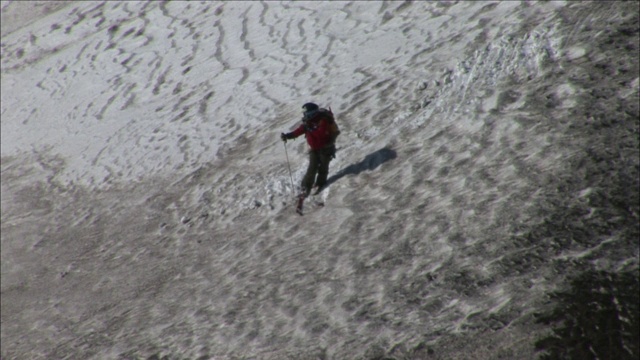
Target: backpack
pixel 333 127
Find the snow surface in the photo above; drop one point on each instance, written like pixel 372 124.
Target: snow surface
pixel 147 203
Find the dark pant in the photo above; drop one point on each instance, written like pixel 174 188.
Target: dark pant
pixel 317 171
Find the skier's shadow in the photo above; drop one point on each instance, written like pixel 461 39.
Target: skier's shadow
pixel 370 162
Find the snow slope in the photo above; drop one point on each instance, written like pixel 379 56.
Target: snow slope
pixel 489 152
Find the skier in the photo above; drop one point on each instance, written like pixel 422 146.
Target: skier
pixel 321 131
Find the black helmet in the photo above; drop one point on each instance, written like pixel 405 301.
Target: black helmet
pixel 310 110
pixel 310 107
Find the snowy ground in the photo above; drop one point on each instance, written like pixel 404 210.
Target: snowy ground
pixel 488 157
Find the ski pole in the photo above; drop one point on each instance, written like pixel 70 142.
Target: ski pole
pixel 289 166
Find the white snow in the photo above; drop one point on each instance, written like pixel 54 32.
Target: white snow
pixel 147 136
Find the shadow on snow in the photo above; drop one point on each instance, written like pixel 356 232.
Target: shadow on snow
pixel 370 162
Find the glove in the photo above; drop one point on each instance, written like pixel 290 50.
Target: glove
pixel 285 137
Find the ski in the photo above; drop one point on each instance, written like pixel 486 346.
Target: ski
pixel 316 200
pixel 318 203
pixel 300 204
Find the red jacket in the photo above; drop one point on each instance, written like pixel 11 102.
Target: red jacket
pixel 318 132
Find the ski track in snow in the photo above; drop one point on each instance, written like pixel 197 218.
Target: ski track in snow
pixel 147 204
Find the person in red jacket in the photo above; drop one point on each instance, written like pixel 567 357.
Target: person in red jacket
pixel 321 131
